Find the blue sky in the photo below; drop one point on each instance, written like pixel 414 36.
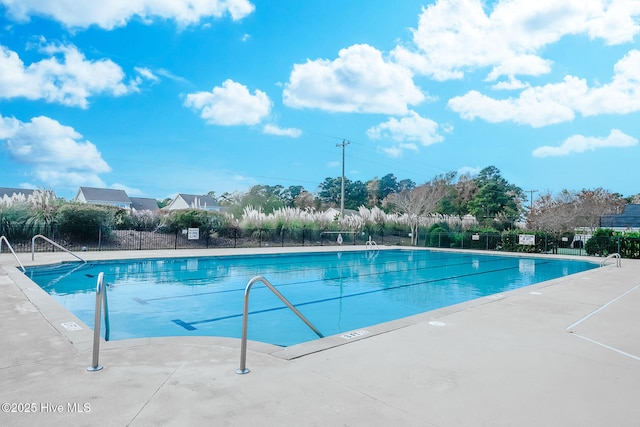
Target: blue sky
pixel 163 97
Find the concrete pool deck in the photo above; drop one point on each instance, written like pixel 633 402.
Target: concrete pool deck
pixel 560 353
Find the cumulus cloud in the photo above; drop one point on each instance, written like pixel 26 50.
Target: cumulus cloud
pixel 580 144
pixel 57 154
pixel 275 130
pixel 469 170
pixel 556 103
pixel 453 37
pixel 230 104
pixel 64 77
pixel 407 131
pixel 109 14
pixel 360 80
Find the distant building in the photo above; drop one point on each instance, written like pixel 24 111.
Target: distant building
pixel 103 196
pixel 118 198
pixel 144 204
pixel 629 219
pixel 191 201
pixel 10 195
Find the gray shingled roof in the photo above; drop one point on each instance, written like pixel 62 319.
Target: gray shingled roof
pixel 144 204
pixel 630 217
pixel 9 192
pixel 204 200
pixel 104 195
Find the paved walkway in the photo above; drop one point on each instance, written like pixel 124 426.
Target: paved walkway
pixel 497 361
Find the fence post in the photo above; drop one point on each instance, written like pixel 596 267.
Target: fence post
pixel 618 244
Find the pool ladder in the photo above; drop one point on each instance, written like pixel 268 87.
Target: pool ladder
pixel 245 319
pixel 4 239
pixel 101 303
pixel 616 256
pixel 40 236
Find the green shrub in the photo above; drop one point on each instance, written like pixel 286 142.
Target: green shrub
pixel 84 222
pixel 13 222
pixel 603 242
pixel 438 236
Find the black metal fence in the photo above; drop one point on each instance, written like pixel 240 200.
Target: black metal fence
pixel 102 239
pixel 114 240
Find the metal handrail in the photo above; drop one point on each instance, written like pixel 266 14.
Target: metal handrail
pixel 3 238
pixel 245 319
pixel 371 243
pixel 101 302
pixel 33 247
pixel 616 256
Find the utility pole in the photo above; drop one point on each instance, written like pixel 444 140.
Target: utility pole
pixel 531 199
pixel 343 145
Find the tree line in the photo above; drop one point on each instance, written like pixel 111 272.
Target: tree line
pixel 493 202
pixel 487 196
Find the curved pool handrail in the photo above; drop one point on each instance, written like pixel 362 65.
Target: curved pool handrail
pixel 101 303
pixel 4 239
pixel 33 247
pixel 614 255
pixel 245 319
pixel 371 244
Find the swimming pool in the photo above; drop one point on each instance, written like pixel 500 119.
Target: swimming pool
pixel 337 291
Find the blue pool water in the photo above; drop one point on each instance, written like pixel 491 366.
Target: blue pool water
pixel 337 291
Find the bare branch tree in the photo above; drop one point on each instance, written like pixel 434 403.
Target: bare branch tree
pixel 421 201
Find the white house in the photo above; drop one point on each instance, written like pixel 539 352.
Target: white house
pixel 191 201
pixel 103 196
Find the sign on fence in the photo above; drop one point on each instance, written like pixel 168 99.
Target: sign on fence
pixel 527 239
pixel 193 234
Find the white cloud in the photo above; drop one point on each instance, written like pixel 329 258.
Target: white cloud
pixel 108 14
pixel 55 152
pixel 145 73
pixel 511 84
pixel 168 74
pixel 231 104
pixel 65 77
pixel 453 37
pixel 535 107
pixel 469 170
pixel 129 190
pixel 621 95
pixel 579 144
pixel 275 130
pixel 359 80
pixel 412 127
pixel 393 152
pixel 556 103
pixel 618 23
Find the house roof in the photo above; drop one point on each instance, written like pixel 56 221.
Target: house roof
pixel 144 204
pixel 195 200
pixel 9 192
pixel 630 217
pixel 104 195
